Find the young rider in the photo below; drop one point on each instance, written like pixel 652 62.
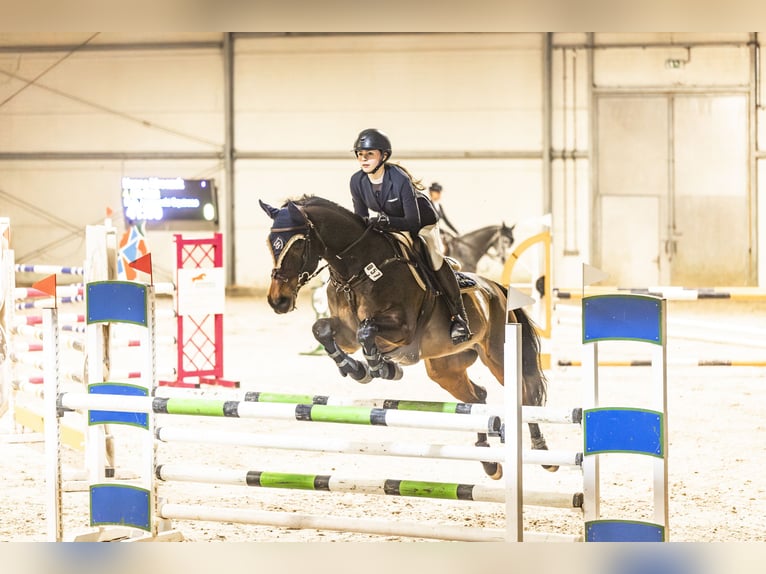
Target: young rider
pixel 389 191
pixel 435 191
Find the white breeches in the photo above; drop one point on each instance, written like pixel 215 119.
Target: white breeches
pixel 433 239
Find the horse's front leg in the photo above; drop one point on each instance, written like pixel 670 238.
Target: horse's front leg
pixel 379 366
pixel 325 331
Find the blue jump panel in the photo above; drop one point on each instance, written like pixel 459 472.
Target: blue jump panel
pixel 113 417
pixel 636 431
pixel 623 531
pixel 120 504
pixel 117 302
pixel 622 318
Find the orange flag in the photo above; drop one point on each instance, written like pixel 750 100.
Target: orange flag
pixel 47 286
pixel 143 264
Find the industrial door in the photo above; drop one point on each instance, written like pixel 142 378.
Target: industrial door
pixel 672 190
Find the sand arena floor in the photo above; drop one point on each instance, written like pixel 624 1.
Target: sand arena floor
pixel 717 438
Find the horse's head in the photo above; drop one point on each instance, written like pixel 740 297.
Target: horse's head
pixel 295 259
pixel 504 240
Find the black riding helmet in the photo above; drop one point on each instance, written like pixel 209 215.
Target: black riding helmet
pixel 373 139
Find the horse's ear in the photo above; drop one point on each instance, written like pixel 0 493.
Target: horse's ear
pixel 270 211
pixel 296 211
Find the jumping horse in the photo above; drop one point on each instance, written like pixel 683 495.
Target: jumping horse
pixel 379 302
pixel 468 248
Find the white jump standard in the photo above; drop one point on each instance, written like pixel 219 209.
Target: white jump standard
pixel 613 429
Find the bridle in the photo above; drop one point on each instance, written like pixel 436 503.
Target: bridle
pixel 305 233
pixel 303 276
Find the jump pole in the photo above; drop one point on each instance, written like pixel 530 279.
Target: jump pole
pixel 669 292
pixel 52 430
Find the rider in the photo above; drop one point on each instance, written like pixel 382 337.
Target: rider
pixel 389 190
pixel 435 191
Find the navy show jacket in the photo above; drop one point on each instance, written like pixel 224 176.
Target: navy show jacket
pixel 406 209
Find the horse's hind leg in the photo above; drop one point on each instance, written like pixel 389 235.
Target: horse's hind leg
pixel 533 394
pixel 325 331
pixel 451 374
pixel 533 385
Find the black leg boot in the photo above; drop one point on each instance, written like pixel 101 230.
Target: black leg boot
pixel 459 329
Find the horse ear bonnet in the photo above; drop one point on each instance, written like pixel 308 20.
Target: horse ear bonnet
pixel 287 223
pixel 270 211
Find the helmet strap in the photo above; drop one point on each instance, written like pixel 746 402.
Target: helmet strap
pixel 384 159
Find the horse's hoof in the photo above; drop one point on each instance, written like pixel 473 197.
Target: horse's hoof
pixel 540 444
pixel 494 470
pixel 364 377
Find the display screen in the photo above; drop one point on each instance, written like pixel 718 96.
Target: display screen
pixel 157 200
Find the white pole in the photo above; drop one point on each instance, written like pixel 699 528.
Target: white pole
pixel 95 440
pixel 514 515
pixel 590 464
pixel 660 403
pixel 382 527
pixel 52 426
pixel 149 381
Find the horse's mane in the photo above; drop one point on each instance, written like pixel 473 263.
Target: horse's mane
pixel 316 201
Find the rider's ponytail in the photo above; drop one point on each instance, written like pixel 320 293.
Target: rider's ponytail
pixel 416 183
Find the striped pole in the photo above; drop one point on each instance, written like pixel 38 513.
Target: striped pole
pixel 38 319
pixel 49 269
pixel 671 293
pixel 79 345
pixel 61 291
pixel 24 347
pixel 674 363
pixel 329 483
pixel 529 413
pixel 299 412
pixel 45 303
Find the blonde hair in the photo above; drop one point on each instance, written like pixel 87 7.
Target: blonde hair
pixel 416 183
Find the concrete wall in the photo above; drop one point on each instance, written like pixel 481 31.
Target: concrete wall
pixel 467 110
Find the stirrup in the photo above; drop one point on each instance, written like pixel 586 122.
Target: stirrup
pixel 459 331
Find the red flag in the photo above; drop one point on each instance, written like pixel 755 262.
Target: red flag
pixel 47 286
pixel 143 264
pixel 109 211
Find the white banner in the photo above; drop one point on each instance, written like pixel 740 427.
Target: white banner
pixel 201 291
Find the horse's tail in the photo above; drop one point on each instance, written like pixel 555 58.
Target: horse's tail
pixel 531 368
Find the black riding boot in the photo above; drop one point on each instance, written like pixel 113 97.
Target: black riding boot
pixel 459 330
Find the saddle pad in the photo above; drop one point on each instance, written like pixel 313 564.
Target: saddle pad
pixel 465 281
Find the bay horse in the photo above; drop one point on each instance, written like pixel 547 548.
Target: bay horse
pixel 379 302
pixel 468 248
